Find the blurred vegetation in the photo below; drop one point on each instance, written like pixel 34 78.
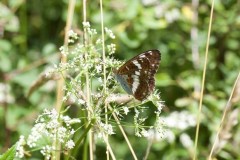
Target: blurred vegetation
pixel 32 31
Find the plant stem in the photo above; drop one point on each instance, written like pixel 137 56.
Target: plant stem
pixel 224 115
pixel 104 72
pixel 60 84
pixel 124 134
pixel 203 83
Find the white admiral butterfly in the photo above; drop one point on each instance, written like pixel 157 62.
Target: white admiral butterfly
pixel 136 76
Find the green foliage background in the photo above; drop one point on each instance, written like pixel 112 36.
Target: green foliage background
pixel 32 31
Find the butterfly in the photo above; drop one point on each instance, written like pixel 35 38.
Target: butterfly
pixel 136 76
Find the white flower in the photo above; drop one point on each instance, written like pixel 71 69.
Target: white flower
pixel 186 140
pixel 126 110
pixel 81 101
pixel 86 24
pixel 61 134
pixel 19 147
pixel 137 133
pixel 63 50
pixel 53 114
pixel 91 31
pixel 70 121
pixel 53 124
pixel 36 133
pixel 46 151
pixel 136 113
pixel 160 105
pixel 72 35
pixel 98 95
pixel 153 135
pixel 48 127
pixel 180 120
pixel 169 135
pixel 111 48
pixel 99 41
pixel 107 128
pixel 99 68
pixel 73 131
pixel 65 119
pixel 70 40
pixel 110 33
pixel 144 133
pixel 70 144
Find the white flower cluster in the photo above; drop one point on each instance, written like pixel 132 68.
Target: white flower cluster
pixel 99 68
pixel 186 140
pixel 19 147
pixel 90 31
pixel 85 58
pixel 63 50
pixel 72 36
pixel 126 110
pixel 46 151
pixel 139 123
pixel 86 24
pixel 104 129
pixel 180 120
pixel 156 130
pixel 99 41
pixel 111 48
pixel 107 128
pixel 109 33
pixel 49 126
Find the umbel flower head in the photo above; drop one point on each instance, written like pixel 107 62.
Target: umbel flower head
pixel 49 127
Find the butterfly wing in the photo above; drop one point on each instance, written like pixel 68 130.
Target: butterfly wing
pixel 137 75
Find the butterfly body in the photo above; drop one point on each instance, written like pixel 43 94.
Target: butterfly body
pixel 136 76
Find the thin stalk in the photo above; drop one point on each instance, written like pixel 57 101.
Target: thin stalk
pixel 85 39
pixel 60 83
pixel 104 72
pixel 203 83
pixel 60 91
pixel 150 142
pixel 109 148
pixel 103 49
pixel 124 134
pixel 224 115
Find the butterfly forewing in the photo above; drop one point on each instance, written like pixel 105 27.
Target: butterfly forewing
pixel 137 75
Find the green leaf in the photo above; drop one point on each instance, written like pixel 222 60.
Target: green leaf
pixel 10 154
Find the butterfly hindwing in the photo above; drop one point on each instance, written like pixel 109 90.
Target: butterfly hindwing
pixel 137 75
